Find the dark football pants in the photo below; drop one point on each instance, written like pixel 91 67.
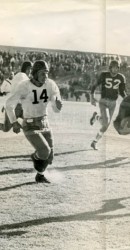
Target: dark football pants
pixel 124 110
pixel 104 105
pixel 123 114
pixel 40 137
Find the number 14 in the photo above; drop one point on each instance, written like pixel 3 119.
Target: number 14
pixel 43 96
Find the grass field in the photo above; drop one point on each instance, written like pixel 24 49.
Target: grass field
pixel 87 204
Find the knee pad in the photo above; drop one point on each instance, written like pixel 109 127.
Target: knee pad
pixel 44 154
pixel 51 156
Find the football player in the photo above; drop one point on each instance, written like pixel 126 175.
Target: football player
pixel 112 84
pixel 6 85
pixel 20 76
pixel 122 121
pixel 35 94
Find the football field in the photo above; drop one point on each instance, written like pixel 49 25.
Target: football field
pixel 87 204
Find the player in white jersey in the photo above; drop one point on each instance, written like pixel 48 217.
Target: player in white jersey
pixel 12 86
pixel 35 94
pixel 6 85
pixel 24 74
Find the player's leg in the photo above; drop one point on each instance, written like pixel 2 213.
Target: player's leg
pixel 41 155
pixel 106 117
pixel 93 118
pixel 111 109
pixel 19 111
pixel 49 138
pixel 103 121
pixel 122 121
pixel 48 135
pixel 38 133
pixel 6 126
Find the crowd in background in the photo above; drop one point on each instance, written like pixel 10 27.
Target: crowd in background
pixel 80 65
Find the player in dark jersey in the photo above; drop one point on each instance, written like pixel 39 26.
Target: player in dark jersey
pixel 122 121
pixel 112 85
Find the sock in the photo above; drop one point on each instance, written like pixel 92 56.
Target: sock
pixel 98 136
pixel 41 173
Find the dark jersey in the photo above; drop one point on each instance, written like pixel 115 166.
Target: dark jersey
pixel 112 86
pixel 124 110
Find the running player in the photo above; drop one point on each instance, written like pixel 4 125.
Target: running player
pixel 6 85
pixel 12 86
pixel 35 94
pixel 112 84
pixel 122 121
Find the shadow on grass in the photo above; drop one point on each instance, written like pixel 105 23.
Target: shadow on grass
pixel 17 171
pixel 17 186
pixel 24 157
pixel 113 163
pixel 97 215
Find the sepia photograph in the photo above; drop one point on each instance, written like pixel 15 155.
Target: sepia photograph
pixel 65 125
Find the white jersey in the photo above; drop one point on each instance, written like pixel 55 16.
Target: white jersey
pixel 6 86
pixel 10 85
pixel 34 99
pixel 19 77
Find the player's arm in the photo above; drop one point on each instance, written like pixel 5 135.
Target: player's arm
pixel 56 98
pixel 13 100
pixel 10 109
pixel 122 87
pixel 5 87
pixel 92 97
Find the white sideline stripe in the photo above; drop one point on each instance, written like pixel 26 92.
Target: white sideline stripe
pixel 126 248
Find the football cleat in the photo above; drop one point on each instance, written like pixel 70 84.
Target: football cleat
pixel 93 145
pixel 39 178
pixel 93 118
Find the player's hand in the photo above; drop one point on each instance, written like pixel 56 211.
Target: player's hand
pixel 59 104
pixel 93 101
pixel 16 127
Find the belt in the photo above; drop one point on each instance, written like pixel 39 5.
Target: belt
pixel 108 99
pixel 29 120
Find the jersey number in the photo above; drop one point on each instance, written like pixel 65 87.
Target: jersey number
pixel 109 84
pixel 43 96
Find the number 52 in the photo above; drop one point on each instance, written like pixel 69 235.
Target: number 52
pixel 109 84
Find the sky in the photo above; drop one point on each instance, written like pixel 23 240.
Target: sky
pixel 84 25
